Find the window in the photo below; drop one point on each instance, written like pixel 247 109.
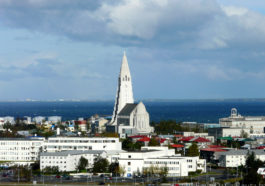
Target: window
pixel 129 163
pixel 129 156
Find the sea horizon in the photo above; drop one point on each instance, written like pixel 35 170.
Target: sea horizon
pixel 199 110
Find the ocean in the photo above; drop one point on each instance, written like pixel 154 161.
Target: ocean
pixel 203 111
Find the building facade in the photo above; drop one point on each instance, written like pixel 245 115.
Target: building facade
pixel 68 160
pixel 255 124
pixel 124 93
pixel 159 157
pixel 55 144
pixel 134 119
pixel 20 150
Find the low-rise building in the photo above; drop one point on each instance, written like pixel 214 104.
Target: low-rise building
pixel 20 150
pixel 68 160
pixel 135 162
pixel 235 158
pixel 55 144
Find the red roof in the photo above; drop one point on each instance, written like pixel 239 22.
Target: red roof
pixel 261 147
pixel 144 139
pixel 177 146
pixel 162 140
pixel 213 150
pixel 186 138
pixel 137 136
pixel 194 139
pixel 200 140
pixel 216 146
pixel 81 122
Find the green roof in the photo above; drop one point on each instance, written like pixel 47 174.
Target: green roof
pixel 226 138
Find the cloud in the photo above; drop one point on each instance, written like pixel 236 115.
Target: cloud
pixel 201 38
pixel 200 24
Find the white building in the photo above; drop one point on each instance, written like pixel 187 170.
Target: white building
pixel 128 118
pixel 68 160
pixel 20 150
pixel 99 125
pixel 39 119
pixel 55 144
pixel 124 93
pixel 255 124
pixel 135 162
pixel 54 119
pixel 134 119
pixel 235 158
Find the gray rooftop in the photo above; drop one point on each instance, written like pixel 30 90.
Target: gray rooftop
pixel 71 152
pixel 242 152
pixel 127 109
pixel 244 118
pixel 22 139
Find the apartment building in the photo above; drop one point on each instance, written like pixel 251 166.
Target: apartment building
pixel 20 150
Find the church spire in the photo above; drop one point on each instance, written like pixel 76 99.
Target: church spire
pixel 124 91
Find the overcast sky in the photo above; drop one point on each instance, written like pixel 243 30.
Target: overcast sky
pixel 198 49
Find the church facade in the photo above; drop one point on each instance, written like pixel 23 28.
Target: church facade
pixel 128 117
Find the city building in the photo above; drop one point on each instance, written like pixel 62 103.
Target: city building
pixel 227 131
pixel 134 119
pixel 68 160
pixel 235 158
pixel 55 144
pixel 20 150
pixel 124 93
pixel 255 124
pixel 99 125
pixel 39 119
pixel 128 117
pixel 54 119
pixel 135 162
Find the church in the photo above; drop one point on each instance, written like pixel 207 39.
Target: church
pixel 128 118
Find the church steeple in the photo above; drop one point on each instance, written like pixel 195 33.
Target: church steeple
pixel 124 91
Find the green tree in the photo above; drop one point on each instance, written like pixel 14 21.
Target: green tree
pixel 51 170
pixel 153 142
pixel 250 169
pixel 163 173
pixel 101 165
pixel 82 164
pixel 22 173
pixel 114 168
pixel 127 144
pixel 193 150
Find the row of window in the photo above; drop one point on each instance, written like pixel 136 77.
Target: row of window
pixel 81 141
pixel 20 143
pixel 162 162
pixel 53 162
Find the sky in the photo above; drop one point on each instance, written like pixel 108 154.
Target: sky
pixel 65 49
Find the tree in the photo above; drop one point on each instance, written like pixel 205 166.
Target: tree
pixel 82 164
pixel 127 144
pixel 250 169
pixel 163 173
pixel 114 168
pixel 153 142
pixel 22 173
pixel 193 150
pixel 51 170
pixel 243 134
pixel 101 165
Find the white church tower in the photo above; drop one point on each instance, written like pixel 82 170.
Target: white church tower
pixel 124 93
